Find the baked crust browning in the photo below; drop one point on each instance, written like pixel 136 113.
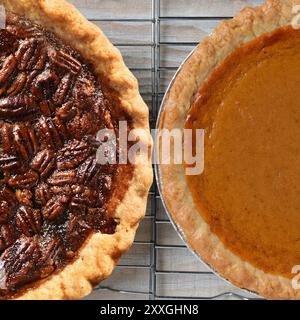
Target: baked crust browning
pixel 102 250
pixel 249 24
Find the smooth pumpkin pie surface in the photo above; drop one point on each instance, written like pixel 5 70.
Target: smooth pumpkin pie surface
pixel 249 192
pixel 241 215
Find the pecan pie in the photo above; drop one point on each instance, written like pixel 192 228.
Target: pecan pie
pixel 241 214
pixel 65 218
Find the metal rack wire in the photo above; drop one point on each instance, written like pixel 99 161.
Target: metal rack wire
pixel 157 218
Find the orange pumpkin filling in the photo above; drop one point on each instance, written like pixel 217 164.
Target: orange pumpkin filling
pixel 249 192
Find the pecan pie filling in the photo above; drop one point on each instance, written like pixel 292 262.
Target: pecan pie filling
pixel 53 193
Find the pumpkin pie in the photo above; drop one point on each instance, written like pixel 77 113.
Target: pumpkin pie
pixel 241 215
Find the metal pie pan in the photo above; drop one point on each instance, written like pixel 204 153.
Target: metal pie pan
pixel 178 229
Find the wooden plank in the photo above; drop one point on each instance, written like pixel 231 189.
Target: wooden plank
pixel 145 81
pixel 148 100
pixel 178 259
pixel 128 279
pixel 173 55
pixel 175 31
pixel 127 32
pixel 138 255
pixel 150 204
pixel 166 235
pixel 204 8
pixel 195 286
pixel 160 210
pixel 144 232
pixel 114 9
pixel 124 279
pixel 137 57
pixel 179 30
pixel 103 294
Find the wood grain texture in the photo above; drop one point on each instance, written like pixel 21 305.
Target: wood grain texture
pixel 144 233
pixel 179 30
pixel 120 32
pixel 124 278
pixel 114 9
pixel 139 255
pixel 195 286
pixel 204 8
pixel 178 259
pixel 171 56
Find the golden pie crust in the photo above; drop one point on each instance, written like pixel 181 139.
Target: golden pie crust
pixel 206 232
pixel 101 252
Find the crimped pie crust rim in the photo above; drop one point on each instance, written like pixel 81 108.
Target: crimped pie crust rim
pixel 229 35
pixel 101 252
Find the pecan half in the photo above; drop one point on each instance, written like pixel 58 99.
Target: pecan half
pixel 42 194
pixel 33 32
pixel 41 61
pixel 50 132
pixel 60 178
pixel 55 207
pixel 6 139
pixel 38 59
pixel 9 162
pixel 21 262
pixel 65 189
pixel 79 204
pixel 48 258
pixel 18 85
pixel 33 139
pixel 63 89
pixel 25 52
pixel 24 180
pixel 73 154
pixel 17 106
pixel 65 61
pixel 29 220
pixel 88 171
pixel 25 141
pixel 44 163
pixel 9 66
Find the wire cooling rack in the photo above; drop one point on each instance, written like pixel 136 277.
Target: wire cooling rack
pixel 154 36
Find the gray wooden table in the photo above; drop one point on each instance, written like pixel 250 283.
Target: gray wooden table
pixel 154 37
